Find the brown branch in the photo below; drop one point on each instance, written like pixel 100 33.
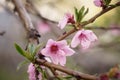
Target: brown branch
pixel 23 14
pixel 2 33
pixel 66 70
pixel 36 12
pixel 90 20
pixel 101 13
pixel 104 28
pixel 31 32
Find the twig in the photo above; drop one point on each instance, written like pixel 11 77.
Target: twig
pixel 104 28
pixel 90 20
pixel 23 14
pixel 2 33
pixel 32 33
pixel 37 12
pixel 66 70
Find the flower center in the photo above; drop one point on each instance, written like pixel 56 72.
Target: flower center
pixel 81 35
pixel 54 48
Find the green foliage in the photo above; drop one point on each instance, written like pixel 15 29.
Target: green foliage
pixel 22 64
pixel 79 15
pixel 107 2
pixel 30 52
pixel 20 50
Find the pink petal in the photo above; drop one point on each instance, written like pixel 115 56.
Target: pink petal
pixel 62 60
pixel 90 35
pixel 62 23
pixel 50 42
pixel 75 41
pixel 45 52
pixel 97 3
pixel 61 52
pixel 68 51
pixel 62 43
pixel 54 58
pixel 85 43
pixel 40 76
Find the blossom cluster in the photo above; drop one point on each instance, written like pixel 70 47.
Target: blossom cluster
pixel 58 50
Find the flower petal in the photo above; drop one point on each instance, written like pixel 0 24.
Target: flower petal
pixel 75 41
pixel 98 3
pixel 62 60
pixel 45 52
pixel 85 43
pixel 62 43
pixel 62 23
pixel 50 42
pixel 54 58
pixel 90 35
pixel 68 51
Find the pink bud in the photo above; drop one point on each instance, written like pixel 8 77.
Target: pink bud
pixel 68 18
pixel 98 3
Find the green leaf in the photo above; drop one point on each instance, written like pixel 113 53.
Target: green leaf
pixel 76 14
pixel 84 14
pixel 23 53
pixel 31 48
pixel 20 50
pixel 81 14
pixel 36 49
pixel 107 2
pixel 22 64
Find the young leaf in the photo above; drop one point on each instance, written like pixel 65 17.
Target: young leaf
pixel 85 13
pixel 36 49
pixel 24 53
pixel 76 14
pixel 20 50
pixel 81 14
pixel 31 48
pixel 22 64
pixel 107 2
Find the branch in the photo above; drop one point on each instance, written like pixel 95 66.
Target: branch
pixel 35 11
pixel 2 33
pixel 101 13
pixel 23 14
pixel 32 33
pixel 104 28
pixel 66 70
pixel 90 20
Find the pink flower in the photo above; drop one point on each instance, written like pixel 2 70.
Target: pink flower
pixel 40 76
pixel 57 51
pixel 83 37
pixel 68 18
pixel 98 3
pixel 31 72
pixel 43 27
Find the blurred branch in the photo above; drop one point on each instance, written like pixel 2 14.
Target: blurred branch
pixel 2 33
pixel 25 18
pixel 104 28
pixel 32 7
pixel 91 20
pixel 66 70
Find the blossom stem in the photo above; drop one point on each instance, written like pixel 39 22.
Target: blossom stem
pixel 66 70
